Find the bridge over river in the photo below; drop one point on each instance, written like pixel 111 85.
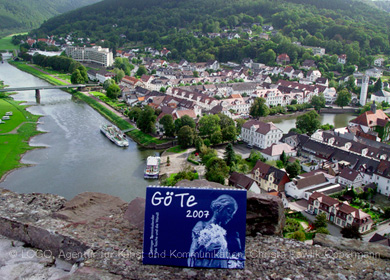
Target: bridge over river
pixel 39 88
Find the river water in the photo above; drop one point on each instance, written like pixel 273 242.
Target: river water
pixel 338 120
pixel 78 157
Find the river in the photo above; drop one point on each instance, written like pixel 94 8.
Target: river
pixel 338 120
pixel 78 158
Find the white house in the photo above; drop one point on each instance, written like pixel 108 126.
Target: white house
pixel 260 134
pixel 303 188
pixel 350 178
pixel 275 151
pixel 380 96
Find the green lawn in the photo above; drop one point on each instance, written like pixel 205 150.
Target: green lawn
pixel 27 68
pixel 6 44
pixel 15 143
pixel 176 149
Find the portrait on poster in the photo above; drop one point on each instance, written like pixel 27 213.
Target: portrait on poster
pixel 195 227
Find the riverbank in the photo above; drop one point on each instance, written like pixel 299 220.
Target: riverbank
pixel 143 139
pixel 15 134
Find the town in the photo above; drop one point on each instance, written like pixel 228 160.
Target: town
pixel 206 104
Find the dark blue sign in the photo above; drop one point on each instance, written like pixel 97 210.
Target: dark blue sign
pixel 195 227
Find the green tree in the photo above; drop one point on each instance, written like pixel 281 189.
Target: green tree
pixel 107 83
pixel 208 125
pixel 378 85
pixel 119 74
pixel 198 143
pixel 308 123
pixel 298 235
pixel 146 120
pixel 259 108
pixel 293 169
pixel 229 155
pixel 141 71
pixel 229 133
pixel 217 170
pixel 239 124
pixel 320 221
pixel 76 77
pixel 351 232
pixel 323 230
pixel 186 136
pixel 225 121
pixel 169 126
pixel 113 91
pixel 343 98
pixel 216 137
pixel 318 101
pixel 134 113
pixel 83 72
pixel 184 120
pixel 283 158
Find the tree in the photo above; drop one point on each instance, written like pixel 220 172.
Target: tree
pixel 323 230
pixel 387 212
pixel 146 120
pixel 378 85
pixel 216 137
pixel 185 136
pixel 351 232
pixel 229 133
pixel 225 121
pixel 198 143
pixel 119 74
pixel 208 125
pixel 229 155
pixel 320 221
pixel 83 72
pixel 184 120
pixel 259 108
pixel 343 98
pixel 107 83
pixel 134 113
pixel 308 123
pixel 239 124
pixel 169 126
pixel 113 91
pixel 293 169
pixel 76 77
pixel 318 101
pixel 217 170
pixel 283 158
pixel 141 71
pixel 298 235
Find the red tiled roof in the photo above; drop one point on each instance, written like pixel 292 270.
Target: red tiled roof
pixel 370 119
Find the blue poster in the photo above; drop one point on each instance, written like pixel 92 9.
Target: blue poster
pixel 195 227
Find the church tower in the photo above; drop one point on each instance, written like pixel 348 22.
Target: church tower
pixel 364 89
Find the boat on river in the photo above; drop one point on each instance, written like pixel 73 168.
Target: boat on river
pixel 114 134
pixel 152 170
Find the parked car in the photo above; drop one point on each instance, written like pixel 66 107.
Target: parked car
pixel 309 211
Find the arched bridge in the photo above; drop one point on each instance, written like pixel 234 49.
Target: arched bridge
pixel 39 88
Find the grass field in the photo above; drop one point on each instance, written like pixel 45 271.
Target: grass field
pixel 14 134
pixel 27 68
pixel 6 44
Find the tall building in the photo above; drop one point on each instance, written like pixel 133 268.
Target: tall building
pixel 363 92
pixel 96 54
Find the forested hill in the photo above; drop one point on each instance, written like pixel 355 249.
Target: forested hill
pixel 28 14
pixel 341 26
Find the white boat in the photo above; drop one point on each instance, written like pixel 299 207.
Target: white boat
pixel 114 134
pixel 152 170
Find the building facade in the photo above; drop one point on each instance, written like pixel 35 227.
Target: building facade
pixel 260 134
pixel 96 54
